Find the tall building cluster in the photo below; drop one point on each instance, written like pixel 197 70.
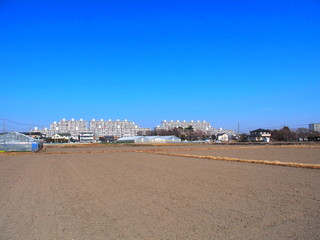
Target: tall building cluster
pixel 196 125
pixel 116 128
pixel 125 128
pixel 98 128
pixel 73 126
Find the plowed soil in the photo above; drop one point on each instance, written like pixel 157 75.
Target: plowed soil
pixel 138 195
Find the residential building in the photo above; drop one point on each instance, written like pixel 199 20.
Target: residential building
pixel 99 128
pixel 86 137
pixel 229 132
pixel 196 125
pixel 108 139
pixel 260 135
pixel 223 137
pixel 116 128
pixel 61 137
pixel 69 126
pixel 314 127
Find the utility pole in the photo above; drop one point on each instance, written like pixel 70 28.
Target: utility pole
pixel 4 129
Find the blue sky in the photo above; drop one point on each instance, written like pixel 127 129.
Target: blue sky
pixel 252 62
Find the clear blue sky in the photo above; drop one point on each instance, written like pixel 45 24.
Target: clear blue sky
pixel 252 62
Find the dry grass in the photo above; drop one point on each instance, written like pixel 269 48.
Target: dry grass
pixel 275 163
pixel 235 147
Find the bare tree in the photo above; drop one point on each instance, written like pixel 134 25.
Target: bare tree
pixel 189 131
pixel 302 133
pixel 284 134
pixel 243 137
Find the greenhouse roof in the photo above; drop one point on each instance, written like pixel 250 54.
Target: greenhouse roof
pixel 15 137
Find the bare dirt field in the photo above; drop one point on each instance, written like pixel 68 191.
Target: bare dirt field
pixel 298 154
pixel 117 193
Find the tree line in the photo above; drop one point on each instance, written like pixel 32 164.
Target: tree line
pixel 189 133
pixel 287 135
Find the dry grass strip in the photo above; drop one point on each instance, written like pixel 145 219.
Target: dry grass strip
pixel 275 163
pixel 231 147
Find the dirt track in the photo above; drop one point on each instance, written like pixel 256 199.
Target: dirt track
pixel 128 195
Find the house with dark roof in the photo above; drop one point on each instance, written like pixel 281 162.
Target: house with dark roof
pixel 36 135
pixel 260 135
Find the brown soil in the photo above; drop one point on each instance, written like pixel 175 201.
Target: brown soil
pixel 131 195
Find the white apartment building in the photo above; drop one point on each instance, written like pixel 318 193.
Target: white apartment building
pixel 314 127
pixel 116 128
pixel 98 128
pixel 68 126
pixel 86 137
pixel 196 125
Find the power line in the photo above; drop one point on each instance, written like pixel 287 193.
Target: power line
pixel 26 124
pixel 9 127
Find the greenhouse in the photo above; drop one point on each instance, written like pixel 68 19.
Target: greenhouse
pixel 149 139
pixel 14 141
